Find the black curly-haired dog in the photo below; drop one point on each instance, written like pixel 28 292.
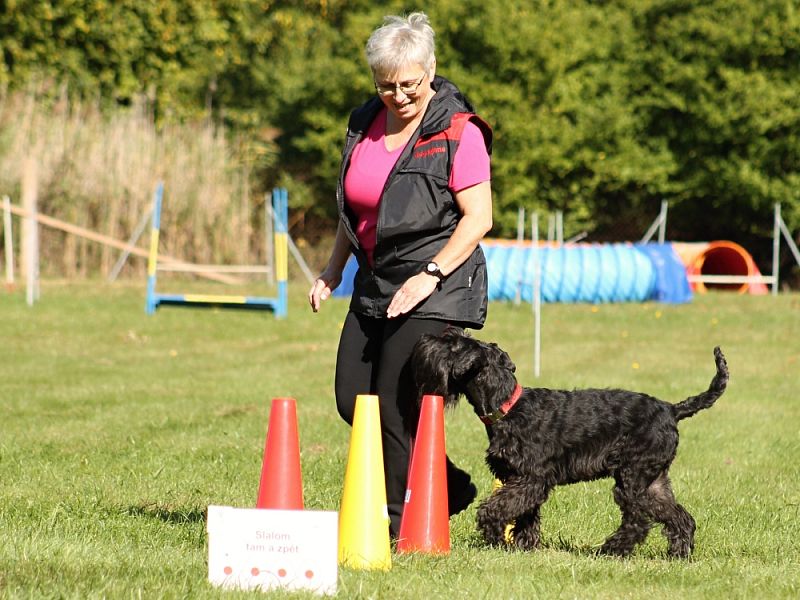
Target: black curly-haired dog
pixel 540 438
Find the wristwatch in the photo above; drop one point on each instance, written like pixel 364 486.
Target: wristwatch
pixel 433 269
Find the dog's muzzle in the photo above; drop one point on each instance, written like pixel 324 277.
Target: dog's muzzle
pixel 504 407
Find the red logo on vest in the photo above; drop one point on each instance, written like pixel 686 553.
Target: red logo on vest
pixel 430 152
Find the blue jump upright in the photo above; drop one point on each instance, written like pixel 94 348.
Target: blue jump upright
pixel 278 305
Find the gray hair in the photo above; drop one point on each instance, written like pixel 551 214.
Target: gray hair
pixel 399 42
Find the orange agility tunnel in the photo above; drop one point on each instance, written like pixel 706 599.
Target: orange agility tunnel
pixel 721 265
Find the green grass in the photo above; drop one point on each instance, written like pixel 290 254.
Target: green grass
pixel 119 429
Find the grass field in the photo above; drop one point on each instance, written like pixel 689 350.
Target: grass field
pixel 119 429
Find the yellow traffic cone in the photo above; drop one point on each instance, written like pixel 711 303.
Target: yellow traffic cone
pixel 363 515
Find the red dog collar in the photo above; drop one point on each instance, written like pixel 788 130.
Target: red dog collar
pixel 504 407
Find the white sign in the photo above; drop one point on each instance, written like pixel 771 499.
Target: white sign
pixel 250 548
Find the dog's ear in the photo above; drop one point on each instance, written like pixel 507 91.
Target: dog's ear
pixel 469 360
pixel 464 354
pixel 442 364
pixel 430 367
pixel 504 359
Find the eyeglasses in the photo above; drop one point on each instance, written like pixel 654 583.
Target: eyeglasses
pixel 409 89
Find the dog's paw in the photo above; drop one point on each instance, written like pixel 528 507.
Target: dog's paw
pixel 494 536
pixel 493 531
pixel 612 549
pixel 680 550
pixel 525 540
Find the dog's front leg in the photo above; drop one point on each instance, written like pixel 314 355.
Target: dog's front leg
pixel 491 523
pixel 518 499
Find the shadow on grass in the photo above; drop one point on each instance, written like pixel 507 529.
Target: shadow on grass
pixel 560 544
pixel 563 545
pixel 168 514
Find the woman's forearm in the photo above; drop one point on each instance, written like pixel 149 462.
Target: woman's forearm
pixel 340 253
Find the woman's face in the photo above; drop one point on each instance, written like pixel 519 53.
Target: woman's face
pixel 408 104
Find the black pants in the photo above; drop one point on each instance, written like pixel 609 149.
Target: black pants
pixel 373 359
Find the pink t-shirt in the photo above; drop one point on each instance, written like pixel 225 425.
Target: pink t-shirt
pixel 371 164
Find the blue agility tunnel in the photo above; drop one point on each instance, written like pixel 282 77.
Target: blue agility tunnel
pixel 590 273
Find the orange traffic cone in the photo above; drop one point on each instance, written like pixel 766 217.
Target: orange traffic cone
pixel 281 485
pixel 425 526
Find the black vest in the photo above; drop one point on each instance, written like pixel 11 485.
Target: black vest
pixel 417 215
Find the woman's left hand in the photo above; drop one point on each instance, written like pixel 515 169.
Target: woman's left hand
pixel 413 291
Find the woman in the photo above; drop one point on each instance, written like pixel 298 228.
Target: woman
pixel 414 201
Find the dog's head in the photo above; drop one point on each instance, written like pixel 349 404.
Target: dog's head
pixel 453 363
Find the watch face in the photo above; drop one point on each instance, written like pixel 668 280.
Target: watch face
pixel 433 269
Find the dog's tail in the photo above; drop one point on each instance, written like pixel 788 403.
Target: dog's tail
pixel 695 404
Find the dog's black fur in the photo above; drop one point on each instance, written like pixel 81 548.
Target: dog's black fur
pixel 555 437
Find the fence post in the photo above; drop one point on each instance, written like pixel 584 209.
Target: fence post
pixel 537 295
pixel 520 240
pixel 662 225
pixel 9 243
pixel 776 247
pixel 30 231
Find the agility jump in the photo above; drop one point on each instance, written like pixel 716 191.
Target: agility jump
pixel 277 305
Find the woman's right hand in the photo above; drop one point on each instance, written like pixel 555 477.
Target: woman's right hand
pixel 322 289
